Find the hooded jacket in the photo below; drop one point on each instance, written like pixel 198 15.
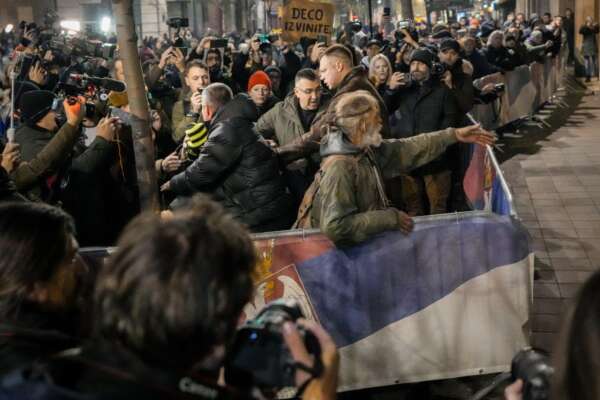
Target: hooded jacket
pixel 349 205
pixel 240 170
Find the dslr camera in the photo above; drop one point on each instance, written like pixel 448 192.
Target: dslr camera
pixel 259 356
pixel 178 23
pixel 533 367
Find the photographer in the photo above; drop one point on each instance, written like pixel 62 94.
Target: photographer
pixel 43 150
pixel 163 78
pixel 62 170
pixel 199 266
pixel 577 355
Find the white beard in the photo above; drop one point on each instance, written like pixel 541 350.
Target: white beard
pixel 373 137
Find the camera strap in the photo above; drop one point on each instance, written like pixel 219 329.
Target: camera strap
pixel 314 371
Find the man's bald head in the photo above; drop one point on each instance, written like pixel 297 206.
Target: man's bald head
pixel 335 65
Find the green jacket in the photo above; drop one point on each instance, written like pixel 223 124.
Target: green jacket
pixel 45 153
pixel 282 122
pixel 182 117
pixel 350 204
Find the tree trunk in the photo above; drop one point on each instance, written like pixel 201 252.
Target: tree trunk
pixel 138 104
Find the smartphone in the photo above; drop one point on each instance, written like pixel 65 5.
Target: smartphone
pixel 323 39
pixel 218 44
pixel 184 51
pixel 405 24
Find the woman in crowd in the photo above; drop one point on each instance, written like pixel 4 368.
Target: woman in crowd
pixel 259 90
pixel 385 80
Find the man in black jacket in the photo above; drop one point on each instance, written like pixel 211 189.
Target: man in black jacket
pixel 425 106
pixel 236 165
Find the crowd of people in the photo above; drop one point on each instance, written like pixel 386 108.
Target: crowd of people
pixel 354 138
pixel 243 119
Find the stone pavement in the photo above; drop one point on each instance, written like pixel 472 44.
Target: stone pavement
pixel 554 174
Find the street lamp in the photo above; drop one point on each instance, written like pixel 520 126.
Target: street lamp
pixel 71 25
pixel 105 23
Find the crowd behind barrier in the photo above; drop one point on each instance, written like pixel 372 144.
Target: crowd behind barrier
pixel 361 143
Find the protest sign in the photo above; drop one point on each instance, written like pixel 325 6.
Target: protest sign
pixel 307 19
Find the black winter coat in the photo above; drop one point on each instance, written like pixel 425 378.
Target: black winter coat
pixel 481 66
pixel 421 109
pixel 500 57
pixel 240 170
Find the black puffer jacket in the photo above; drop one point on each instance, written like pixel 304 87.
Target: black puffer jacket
pixel 240 170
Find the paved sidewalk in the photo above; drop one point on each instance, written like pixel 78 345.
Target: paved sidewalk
pixel 555 176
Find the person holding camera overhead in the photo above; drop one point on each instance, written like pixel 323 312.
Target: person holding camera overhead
pixel 56 168
pixel 426 105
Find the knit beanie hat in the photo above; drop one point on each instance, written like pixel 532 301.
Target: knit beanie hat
pixel 423 55
pixel 35 105
pixel 259 78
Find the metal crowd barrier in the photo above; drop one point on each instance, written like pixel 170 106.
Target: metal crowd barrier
pixel 527 88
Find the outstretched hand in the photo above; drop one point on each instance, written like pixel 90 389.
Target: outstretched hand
pixel 475 134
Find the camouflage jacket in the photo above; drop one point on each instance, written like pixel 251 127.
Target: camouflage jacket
pixel 349 205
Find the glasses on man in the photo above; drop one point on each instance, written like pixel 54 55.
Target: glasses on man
pixel 309 92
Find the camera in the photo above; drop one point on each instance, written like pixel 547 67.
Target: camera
pixel 259 355
pixel 177 22
pixel 91 87
pixel 533 367
pixel 354 26
pixel 26 62
pixel 438 69
pixel 499 88
pixel 85 48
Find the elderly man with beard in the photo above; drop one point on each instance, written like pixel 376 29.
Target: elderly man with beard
pixel 347 200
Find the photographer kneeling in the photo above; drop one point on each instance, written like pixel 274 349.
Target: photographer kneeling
pixel 167 305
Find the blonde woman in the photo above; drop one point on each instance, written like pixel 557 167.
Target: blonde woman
pixel 385 80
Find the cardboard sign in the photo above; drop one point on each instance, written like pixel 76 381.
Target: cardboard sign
pixel 307 19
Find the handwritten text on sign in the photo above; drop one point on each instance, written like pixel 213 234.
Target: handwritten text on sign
pixel 306 19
